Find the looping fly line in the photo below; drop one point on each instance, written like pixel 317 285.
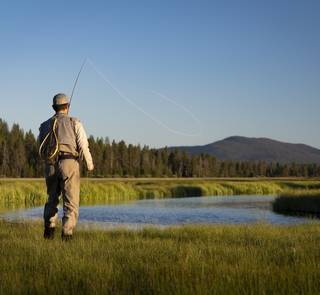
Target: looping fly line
pixel 139 108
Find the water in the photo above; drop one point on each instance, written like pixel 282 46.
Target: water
pixel 175 211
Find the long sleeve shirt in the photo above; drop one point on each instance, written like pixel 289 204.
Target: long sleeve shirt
pixel 83 144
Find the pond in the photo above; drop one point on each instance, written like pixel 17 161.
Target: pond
pixel 174 211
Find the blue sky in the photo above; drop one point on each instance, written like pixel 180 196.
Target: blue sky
pixel 248 68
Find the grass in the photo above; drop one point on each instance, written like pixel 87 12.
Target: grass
pixel 220 259
pixel 298 203
pixel 28 192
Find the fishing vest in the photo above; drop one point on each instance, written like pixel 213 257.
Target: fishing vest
pixel 66 134
pixel 58 134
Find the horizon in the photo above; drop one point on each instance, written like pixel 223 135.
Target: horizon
pixel 169 73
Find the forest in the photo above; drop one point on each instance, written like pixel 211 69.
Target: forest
pixel 19 158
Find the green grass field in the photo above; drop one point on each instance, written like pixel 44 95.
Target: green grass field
pixel 219 259
pixel 31 192
pixel 212 259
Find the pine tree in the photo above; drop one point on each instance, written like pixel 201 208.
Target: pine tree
pixel 19 158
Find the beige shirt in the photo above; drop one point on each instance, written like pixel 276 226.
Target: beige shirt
pixel 83 144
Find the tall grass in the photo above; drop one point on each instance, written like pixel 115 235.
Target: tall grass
pixel 255 259
pixel 298 203
pixel 25 193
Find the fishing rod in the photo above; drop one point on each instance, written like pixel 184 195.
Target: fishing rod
pixel 76 81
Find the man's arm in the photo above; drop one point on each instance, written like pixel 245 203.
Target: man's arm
pixel 83 144
pixel 43 131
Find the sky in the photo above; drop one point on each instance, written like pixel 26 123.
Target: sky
pixel 165 73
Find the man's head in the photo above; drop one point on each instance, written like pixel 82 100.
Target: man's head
pixel 60 103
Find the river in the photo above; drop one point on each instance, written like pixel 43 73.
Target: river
pixel 174 211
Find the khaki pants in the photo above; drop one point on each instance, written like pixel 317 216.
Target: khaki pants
pixel 62 178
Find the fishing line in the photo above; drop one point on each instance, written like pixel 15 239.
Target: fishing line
pixel 186 110
pixel 139 108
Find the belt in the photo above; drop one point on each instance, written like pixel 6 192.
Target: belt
pixel 66 156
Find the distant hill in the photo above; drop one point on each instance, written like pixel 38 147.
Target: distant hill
pixel 254 149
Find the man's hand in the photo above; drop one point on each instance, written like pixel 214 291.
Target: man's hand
pixel 90 167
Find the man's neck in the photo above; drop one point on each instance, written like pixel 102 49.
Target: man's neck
pixel 62 113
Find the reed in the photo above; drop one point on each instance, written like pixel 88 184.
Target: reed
pixel 298 203
pixel 28 192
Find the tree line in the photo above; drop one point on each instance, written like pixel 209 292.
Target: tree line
pixel 19 158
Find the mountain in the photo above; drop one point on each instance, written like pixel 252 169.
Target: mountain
pixel 256 149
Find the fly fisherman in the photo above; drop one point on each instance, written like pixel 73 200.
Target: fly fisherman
pixel 63 143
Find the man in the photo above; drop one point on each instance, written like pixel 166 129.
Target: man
pixel 62 172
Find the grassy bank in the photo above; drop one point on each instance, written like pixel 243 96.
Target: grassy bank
pixel 256 259
pixel 28 192
pixel 298 203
